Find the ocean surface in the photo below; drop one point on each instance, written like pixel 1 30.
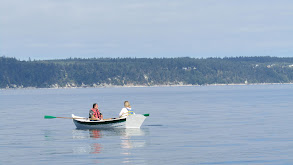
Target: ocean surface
pixel 250 124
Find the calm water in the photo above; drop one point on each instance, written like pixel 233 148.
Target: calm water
pixel 187 125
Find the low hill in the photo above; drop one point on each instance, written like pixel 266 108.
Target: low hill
pixel 143 71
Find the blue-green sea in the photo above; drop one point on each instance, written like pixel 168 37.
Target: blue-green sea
pixel 249 124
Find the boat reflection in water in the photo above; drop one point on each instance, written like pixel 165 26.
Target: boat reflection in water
pixel 96 147
pixel 93 148
pixel 127 139
pixel 127 142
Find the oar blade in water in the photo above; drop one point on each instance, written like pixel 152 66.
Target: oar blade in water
pixel 49 117
pixel 146 114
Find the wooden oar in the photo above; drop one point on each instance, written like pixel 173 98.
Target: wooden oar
pixel 53 117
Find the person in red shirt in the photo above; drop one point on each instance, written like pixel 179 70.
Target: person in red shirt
pixel 95 113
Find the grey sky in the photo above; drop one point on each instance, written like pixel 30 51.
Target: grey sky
pixel 48 29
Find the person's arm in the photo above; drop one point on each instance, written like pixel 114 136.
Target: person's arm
pixel 123 112
pixel 120 114
pixel 92 117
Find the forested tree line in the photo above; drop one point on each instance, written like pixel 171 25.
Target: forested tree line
pixel 76 72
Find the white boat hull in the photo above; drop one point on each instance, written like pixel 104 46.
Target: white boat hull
pixel 133 121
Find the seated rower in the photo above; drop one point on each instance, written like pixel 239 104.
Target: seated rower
pixel 126 111
pixel 95 114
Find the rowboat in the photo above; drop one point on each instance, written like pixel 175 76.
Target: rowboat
pixel 132 121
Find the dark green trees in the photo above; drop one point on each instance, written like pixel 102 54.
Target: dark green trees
pixel 144 71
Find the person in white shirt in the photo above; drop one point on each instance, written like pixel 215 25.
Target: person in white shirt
pixel 126 111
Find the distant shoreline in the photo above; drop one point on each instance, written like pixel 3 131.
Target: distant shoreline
pixel 145 86
pixel 143 72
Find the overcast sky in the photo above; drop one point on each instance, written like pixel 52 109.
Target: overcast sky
pixel 50 29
